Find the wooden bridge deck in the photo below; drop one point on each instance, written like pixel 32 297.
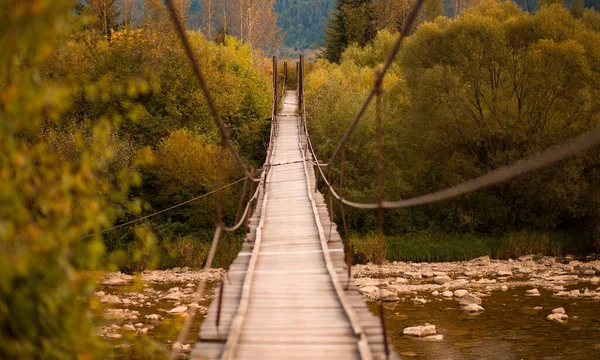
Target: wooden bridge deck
pixel 286 298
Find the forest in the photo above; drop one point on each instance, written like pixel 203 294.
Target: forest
pixel 466 96
pixel 102 122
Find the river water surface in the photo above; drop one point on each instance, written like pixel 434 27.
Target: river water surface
pixel 509 328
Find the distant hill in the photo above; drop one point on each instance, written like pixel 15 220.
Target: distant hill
pixel 302 22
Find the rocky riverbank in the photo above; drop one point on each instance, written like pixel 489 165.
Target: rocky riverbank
pixel 469 281
pixel 139 307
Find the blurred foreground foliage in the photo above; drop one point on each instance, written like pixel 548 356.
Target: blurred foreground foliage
pixel 464 97
pixel 98 128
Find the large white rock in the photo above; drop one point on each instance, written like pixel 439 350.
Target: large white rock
pixel 176 295
pixel 370 291
pixel 420 331
pixel 447 294
pixel 386 295
pixel 460 293
pixel 473 308
pixel 557 317
pixel 481 261
pixel 440 280
pixel 178 310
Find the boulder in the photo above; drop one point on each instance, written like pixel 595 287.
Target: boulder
pixel 469 299
pixel 420 331
pixel 412 275
pixel 178 310
pixel 473 308
pixel 447 294
pixel 386 295
pixel 460 293
pixel 481 261
pixel 440 280
pixel 370 291
pixel 557 317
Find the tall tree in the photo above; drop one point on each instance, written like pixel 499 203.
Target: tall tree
pixel 433 9
pixel 550 2
pixel 352 22
pixel 106 15
pixel 577 8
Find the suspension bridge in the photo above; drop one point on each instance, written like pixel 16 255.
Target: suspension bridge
pixel 290 293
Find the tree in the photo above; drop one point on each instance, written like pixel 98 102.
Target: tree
pixel 352 22
pixel 106 15
pixel 544 3
pixel 433 9
pixel 577 8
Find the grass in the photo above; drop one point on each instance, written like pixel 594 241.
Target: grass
pixel 430 246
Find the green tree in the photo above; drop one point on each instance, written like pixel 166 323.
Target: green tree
pixel 433 9
pixel 352 22
pixel 577 8
pixel 543 3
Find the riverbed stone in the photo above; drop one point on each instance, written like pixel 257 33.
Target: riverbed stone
pixel 504 273
pixel 386 295
pixel 178 310
pixel 176 295
pixel 557 317
pixel 528 257
pixel 460 293
pixel 532 292
pixel 440 280
pixel 435 293
pixel 504 287
pixel 447 294
pixel 559 310
pixel 438 337
pixel 481 261
pixel 401 280
pixel 420 331
pixel 473 308
pixel 128 327
pixel 370 291
pixel 469 299
pixel 412 275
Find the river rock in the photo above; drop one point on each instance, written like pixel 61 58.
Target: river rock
pixel 110 299
pixel 412 275
pixel 128 327
pixel 469 299
pixel 420 331
pixel 594 280
pixel 438 337
pixel 447 294
pixel 526 257
pixel 427 274
pixel 369 291
pixel 440 280
pixel 559 310
pixel 460 293
pixel 503 287
pixel 114 336
pixel 386 295
pixel 557 317
pixel 481 261
pixel 532 292
pixel 143 331
pixel 178 310
pixel 176 295
pixel 435 293
pixel 153 317
pixel 473 308
pixel 401 280
pixel 504 273
pixel 419 300
pixel 589 272
pixel 181 347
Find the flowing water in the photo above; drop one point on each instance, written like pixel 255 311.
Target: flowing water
pixel 509 328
